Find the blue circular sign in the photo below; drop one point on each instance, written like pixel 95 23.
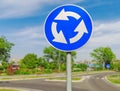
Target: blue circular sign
pixel 107 66
pixel 68 27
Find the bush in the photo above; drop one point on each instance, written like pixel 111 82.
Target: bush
pixel 23 71
pixel 63 67
pixel 1 68
pixel 76 69
pixel 119 68
pixel 47 71
pixel 80 67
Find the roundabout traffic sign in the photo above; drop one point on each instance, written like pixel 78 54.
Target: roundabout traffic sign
pixel 68 27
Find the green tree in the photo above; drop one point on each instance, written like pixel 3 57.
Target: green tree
pixel 80 67
pixel 115 65
pixel 5 48
pixel 57 56
pixel 103 55
pixel 4 65
pixel 53 65
pixel 29 61
pixel 42 62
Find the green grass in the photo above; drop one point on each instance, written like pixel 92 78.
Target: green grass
pixel 23 77
pixel 90 72
pixel 114 79
pixel 5 78
pixel 3 89
pixel 63 78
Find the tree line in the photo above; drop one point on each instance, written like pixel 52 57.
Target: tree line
pixel 55 60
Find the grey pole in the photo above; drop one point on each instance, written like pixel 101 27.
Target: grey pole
pixel 69 75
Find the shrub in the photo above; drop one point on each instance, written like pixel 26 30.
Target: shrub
pixel 23 71
pixel 47 71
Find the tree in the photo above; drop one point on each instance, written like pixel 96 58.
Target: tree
pixel 42 63
pixel 103 55
pixel 80 67
pixel 57 56
pixel 4 65
pixel 5 48
pixel 115 65
pixel 29 61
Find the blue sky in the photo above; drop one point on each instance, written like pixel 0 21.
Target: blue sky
pixel 21 21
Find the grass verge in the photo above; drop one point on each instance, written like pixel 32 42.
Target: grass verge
pixel 114 79
pixel 63 78
pixel 5 89
pixel 21 77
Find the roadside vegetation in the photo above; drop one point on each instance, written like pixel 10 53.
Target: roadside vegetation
pixel 23 77
pixel 115 79
pixel 63 78
pixel 54 61
pixel 5 89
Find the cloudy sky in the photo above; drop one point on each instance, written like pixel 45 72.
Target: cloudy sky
pixel 21 21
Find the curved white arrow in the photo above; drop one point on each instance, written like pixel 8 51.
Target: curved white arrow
pixel 81 29
pixel 63 15
pixel 58 37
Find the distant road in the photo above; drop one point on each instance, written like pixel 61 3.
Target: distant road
pixel 94 82
pixel 97 83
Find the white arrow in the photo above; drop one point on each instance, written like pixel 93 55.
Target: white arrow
pixel 58 37
pixel 63 15
pixel 81 29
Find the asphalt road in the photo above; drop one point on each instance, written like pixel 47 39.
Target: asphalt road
pixel 90 83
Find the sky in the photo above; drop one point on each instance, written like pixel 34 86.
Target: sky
pixel 22 22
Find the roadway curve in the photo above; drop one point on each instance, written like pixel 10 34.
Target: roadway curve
pixel 90 83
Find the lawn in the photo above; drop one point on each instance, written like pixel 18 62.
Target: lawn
pixel 114 78
pixel 22 77
pixel 63 78
pixel 3 89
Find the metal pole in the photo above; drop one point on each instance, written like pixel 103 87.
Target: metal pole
pixel 69 75
pixel 59 62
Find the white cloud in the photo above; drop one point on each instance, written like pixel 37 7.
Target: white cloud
pixel 21 8
pixel 27 37
pixel 107 26
pixel 17 8
pixel 29 32
pixel 104 34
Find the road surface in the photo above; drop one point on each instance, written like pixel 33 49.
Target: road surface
pixel 94 82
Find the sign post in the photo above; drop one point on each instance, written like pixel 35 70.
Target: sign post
pixel 69 72
pixel 68 28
